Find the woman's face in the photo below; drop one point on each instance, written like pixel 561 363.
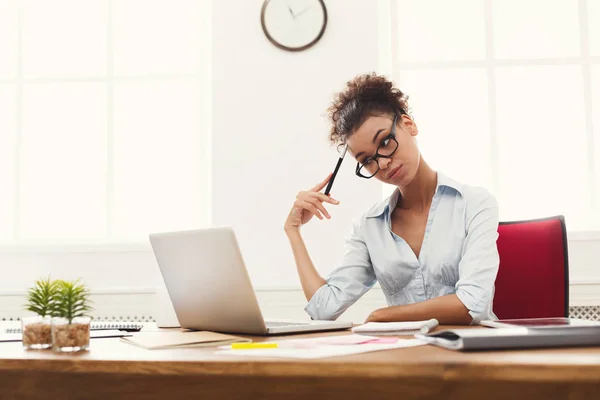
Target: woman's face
pixel 373 136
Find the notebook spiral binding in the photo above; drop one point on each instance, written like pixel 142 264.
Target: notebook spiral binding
pixel 96 326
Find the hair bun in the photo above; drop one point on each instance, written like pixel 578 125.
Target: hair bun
pixel 364 96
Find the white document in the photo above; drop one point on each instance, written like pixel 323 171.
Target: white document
pixel 324 347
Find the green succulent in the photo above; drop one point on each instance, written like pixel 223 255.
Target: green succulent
pixel 40 297
pixel 71 300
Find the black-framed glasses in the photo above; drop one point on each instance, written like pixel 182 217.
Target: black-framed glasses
pixel 386 148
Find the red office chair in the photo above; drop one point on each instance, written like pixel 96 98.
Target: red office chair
pixel 533 278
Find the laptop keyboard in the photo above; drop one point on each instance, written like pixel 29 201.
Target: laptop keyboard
pixel 275 324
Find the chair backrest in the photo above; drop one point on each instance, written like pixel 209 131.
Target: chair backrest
pixel 533 278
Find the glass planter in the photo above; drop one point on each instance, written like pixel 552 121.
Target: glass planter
pixel 36 332
pixel 70 337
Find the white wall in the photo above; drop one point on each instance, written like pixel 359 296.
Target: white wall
pixel 270 141
pixel 270 133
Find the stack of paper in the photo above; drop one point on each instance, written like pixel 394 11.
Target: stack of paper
pixel 174 339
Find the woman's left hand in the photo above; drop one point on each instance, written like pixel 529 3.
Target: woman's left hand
pixel 375 316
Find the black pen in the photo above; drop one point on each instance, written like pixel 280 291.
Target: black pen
pixel 337 167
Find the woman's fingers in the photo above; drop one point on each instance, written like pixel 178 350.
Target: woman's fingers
pixel 312 201
pixel 322 197
pixel 319 205
pixel 310 207
pixel 316 199
pixel 321 185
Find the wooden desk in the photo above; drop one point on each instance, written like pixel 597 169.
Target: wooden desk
pixel 115 370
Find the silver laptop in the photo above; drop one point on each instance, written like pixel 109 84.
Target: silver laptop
pixel 209 285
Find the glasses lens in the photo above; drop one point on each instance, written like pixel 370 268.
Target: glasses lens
pixel 388 147
pixel 368 169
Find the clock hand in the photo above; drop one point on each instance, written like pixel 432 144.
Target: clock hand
pixel 291 12
pixel 303 11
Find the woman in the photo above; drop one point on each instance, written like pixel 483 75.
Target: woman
pixel 431 245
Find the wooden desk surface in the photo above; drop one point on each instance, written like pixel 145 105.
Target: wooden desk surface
pixel 113 369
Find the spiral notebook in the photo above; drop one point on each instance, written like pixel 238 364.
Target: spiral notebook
pixel 15 326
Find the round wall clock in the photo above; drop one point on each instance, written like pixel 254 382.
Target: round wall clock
pixel 293 25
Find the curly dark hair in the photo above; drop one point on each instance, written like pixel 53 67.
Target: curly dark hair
pixel 365 96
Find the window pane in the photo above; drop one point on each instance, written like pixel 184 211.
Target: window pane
pixel 535 28
pixel 63 164
pixel 450 108
pixel 594 27
pixel 156 155
pixel 8 131
pixel 542 143
pixel 440 30
pixel 64 38
pixel 596 123
pixel 166 38
pixel 8 39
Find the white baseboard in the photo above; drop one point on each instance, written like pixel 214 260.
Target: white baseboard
pixel 151 303
pixel 142 303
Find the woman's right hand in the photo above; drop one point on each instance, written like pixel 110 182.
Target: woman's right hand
pixel 307 204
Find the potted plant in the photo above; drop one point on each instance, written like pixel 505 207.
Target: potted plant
pixel 36 329
pixel 71 322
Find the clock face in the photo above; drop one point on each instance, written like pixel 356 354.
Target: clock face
pixel 294 24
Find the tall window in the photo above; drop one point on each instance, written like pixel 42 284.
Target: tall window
pixel 506 94
pixel 103 113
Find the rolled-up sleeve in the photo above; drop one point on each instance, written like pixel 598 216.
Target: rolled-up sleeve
pixel 347 283
pixel 480 261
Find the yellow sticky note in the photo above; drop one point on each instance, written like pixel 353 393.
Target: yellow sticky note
pixel 254 345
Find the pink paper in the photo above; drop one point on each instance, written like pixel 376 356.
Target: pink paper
pixel 313 343
pixel 386 340
pixel 346 339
